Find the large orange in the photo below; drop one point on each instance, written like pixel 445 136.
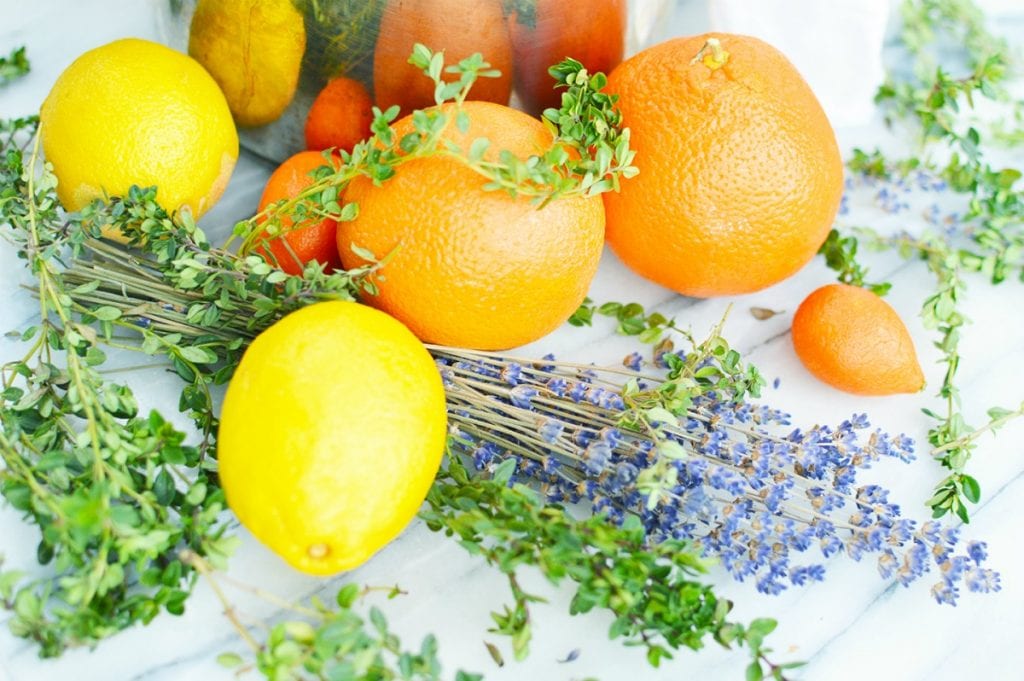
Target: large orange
pixel 740 174
pixel 853 340
pixel 470 267
pixel 460 28
pixel 592 32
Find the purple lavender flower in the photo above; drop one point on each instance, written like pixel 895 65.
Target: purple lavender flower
pixel 767 500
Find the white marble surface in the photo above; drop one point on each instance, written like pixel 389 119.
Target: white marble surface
pixel 853 626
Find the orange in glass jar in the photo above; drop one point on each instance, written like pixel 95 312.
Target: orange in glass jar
pixel 340 116
pixel 545 32
pixel 460 28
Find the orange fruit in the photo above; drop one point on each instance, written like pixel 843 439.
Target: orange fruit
pixel 340 116
pixel 295 246
pixel 740 174
pixel 469 267
pixel 460 28
pixel 853 340
pixel 593 33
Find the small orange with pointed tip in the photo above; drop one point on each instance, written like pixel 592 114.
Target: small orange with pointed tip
pixel 854 341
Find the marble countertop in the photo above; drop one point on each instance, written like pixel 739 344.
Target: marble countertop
pixel 852 626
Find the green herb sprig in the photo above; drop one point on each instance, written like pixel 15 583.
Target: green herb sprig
pixel 649 588
pixel 14 66
pixel 991 241
pixel 589 153
pixel 115 494
pixel 322 641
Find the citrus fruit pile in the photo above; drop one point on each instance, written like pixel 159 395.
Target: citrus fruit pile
pixel 740 181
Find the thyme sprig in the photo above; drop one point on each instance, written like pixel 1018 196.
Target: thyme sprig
pixel 649 588
pixel 989 238
pixel 14 66
pixel 115 494
pixel 589 153
pixel 323 641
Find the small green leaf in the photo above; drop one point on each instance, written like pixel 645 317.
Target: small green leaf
pixel 106 313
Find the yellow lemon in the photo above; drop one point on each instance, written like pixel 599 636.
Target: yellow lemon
pixel 331 432
pixel 135 112
pixel 254 50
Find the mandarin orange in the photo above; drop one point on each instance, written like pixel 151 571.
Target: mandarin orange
pixel 469 267
pixel 853 340
pixel 740 173
pixel 297 245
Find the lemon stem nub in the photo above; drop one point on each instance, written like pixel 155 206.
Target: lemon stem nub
pixel 318 551
pixel 712 54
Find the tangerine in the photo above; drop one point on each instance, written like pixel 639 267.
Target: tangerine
pixel 593 33
pixel 470 267
pixel 340 116
pixel 740 173
pixel 297 245
pixel 853 340
pixel 460 28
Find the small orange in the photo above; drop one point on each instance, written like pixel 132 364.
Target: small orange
pixel 296 246
pixel 740 173
pixel 460 28
pixel 469 267
pixel 592 32
pixel 340 116
pixel 853 340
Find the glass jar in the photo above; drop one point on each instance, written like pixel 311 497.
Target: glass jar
pixel 273 58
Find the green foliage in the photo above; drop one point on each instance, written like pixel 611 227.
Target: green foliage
pixel 115 494
pixel 991 242
pixel 651 589
pixel 14 66
pixel 318 641
pixel 841 255
pixel 336 643
pixel 631 318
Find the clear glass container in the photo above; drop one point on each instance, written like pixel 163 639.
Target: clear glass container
pixel 273 58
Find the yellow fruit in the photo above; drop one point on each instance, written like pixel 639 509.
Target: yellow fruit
pixel 331 433
pixel 253 49
pixel 134 112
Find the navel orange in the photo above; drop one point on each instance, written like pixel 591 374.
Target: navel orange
pixel 853 340
pixel 469 267
pixel 740 174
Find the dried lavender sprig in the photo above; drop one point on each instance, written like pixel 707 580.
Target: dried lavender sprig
pixel 724 473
